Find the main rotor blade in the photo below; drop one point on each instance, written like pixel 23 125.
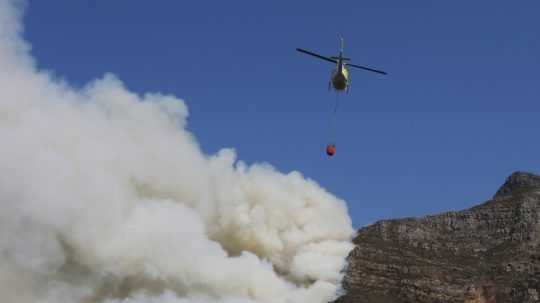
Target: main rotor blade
pixel 316 55
pixel 367 68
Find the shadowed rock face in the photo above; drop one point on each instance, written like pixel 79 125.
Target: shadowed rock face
pixel 489 253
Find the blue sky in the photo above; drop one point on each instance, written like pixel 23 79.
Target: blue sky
pixel 457 113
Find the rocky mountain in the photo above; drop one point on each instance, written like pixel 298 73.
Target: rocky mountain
pixel 487 254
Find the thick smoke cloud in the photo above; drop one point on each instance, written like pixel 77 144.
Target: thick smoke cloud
pixel 106 197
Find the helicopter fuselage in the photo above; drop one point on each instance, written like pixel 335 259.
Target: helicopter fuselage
pixel 340 77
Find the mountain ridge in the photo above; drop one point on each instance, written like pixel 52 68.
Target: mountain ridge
pixel 488 253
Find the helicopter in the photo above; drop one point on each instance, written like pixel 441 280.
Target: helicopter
pixel 340 79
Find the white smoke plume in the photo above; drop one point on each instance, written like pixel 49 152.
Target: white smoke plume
pixel 105 197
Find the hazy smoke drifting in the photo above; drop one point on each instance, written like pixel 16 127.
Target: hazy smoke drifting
pixel 105 197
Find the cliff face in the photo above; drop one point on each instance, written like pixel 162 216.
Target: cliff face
pixel 489 253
